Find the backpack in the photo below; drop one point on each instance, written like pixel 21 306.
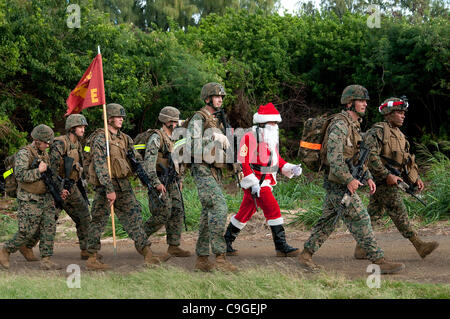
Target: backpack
pixel 8 176
pixel 314 130
pixel 11 184
pixel 140 141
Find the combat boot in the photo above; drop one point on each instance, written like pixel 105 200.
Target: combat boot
pixel 360 253
pixel 4 258
pixel 47 264
pixel 28 253
pixel 85 255
pixel 223 264
pixel 281 247
pixel 203 264
pixel 93 263
pixel 177 251
pixel 388 267
pixel 305 260
pixel 423 248
pixel 149 258
pixel 230 235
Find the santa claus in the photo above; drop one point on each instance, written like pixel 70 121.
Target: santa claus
pixel 260 159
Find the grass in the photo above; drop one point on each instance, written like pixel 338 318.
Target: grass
pixel 8 227
pixel 175 283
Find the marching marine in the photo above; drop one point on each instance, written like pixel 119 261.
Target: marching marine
pixel 391 163
pixel 36 212
pixel 115 190
pixel 341 143
pixel 66 157
pixel 167 181
pixel 207 176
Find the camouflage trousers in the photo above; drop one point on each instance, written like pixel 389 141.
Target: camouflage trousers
pixel 35 217
pixel 169 215
pixel 76 207
pixel 389 199
pixel 355 217
pixel 214 212
pixel 126 208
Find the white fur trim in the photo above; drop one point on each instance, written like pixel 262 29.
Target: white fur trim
pixel 266 183
pixel 264 118
pixel 249 180
pixel 287 170
pixel 237 223
pixel 275 222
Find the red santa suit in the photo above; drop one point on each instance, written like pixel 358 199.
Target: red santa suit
pixel 255 159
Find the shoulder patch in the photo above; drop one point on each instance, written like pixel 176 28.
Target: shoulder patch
pixel 243 151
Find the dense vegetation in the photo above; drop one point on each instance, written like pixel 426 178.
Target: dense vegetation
pixel 300 62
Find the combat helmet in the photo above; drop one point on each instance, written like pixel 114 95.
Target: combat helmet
pixel 74 120
pixel 354 92
pixel 114 109
pixel 211 89
pixel 393 104
pixel 43 133
pixel 169 113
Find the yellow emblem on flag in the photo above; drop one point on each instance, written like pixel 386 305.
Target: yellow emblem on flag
pixel 244 151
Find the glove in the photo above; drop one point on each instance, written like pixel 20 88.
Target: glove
pixel 222 139
pixel 256 189
pixel 297 170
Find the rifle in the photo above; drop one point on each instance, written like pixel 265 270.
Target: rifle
pixel 407 188
pixel 357 170
pixel 142 175
pixel 68 183
pixel 47 177
pixel 68 167
pixel 83 191
pixel 220 114
pixel 170 176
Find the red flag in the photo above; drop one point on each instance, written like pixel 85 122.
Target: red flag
pixel 90 90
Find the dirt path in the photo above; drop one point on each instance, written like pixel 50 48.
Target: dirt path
pixel 256 249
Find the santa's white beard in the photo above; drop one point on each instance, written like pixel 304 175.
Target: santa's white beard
pixel 270 136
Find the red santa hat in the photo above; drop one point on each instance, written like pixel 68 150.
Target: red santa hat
pixel 266 113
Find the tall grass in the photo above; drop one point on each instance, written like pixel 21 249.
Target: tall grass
pixel 437 177
pixel 8 226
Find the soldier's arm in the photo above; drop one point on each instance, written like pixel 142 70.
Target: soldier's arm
pixel 100 162
pixel 335 152
pixel 137 155
pixel 56 157
pixel 22 172
pixel 151 157
pixel 373 140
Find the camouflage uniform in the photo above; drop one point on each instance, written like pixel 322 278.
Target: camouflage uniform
pixel 337 176
pixel 36 212
pixel 207 178
pixel 387 198
pixel 171 213
pixel 126 206
pixel 75 205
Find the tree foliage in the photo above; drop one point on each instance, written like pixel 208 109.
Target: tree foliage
pixel 300 62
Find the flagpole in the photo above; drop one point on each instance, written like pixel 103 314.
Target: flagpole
pixel 108 160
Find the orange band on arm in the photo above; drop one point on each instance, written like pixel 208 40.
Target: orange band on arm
pixel 311 146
